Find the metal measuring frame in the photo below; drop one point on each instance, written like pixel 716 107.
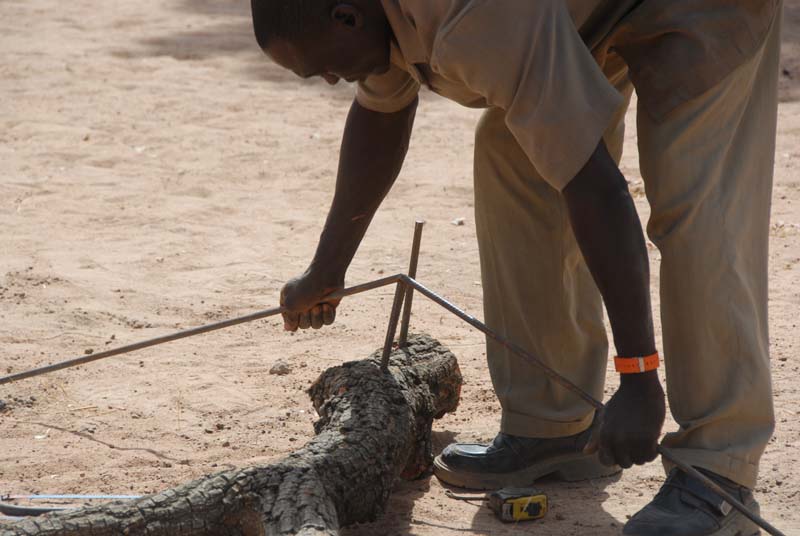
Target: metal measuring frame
pixel 405 283
pixel 404 293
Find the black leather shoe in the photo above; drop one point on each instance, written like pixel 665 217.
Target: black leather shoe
pixel 513 461
pixel 685 507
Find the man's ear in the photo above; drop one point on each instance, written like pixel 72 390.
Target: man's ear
pixel 347 15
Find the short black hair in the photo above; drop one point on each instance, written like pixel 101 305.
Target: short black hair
pixel 287 19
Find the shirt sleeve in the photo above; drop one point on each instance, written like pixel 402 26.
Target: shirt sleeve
pixel 527 58
pixel 388 92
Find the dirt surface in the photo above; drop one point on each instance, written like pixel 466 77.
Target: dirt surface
pixel 156 173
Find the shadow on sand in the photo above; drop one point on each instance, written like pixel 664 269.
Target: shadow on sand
pixel 574 508
pixel 227 32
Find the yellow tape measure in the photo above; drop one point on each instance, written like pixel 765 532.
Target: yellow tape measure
pixel 511 505
pixel 518 504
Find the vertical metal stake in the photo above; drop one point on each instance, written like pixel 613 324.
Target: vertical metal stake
pixel 393 319
pixel 412 273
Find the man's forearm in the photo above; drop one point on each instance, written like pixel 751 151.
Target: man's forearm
pixel 374 146
pixel 610 237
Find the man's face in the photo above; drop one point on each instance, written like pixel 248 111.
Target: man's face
pixel 339 51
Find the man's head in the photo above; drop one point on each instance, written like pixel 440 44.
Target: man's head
pixel 333 39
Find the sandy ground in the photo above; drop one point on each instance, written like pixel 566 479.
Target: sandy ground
pixel 156 172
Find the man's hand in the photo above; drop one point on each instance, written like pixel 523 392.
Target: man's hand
pixel 627 432
pixel 304 296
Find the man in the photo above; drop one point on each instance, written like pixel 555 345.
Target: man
pixel 557 229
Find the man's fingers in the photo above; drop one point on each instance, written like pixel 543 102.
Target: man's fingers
pixel 622 456
pixel 316 317
pixel 645 452
pixel 290 321
pixel 304 320
pixel 328 313
pixel 605 455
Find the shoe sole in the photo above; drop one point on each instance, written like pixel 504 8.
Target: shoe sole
pixel 569 468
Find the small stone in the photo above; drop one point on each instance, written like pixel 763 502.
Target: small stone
pixel 220 426
pixel 280 368
pixel 458 222
pixel 3 405
pixel 226 443
pixel 88 351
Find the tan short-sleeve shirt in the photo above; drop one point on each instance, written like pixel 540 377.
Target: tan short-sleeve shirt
pixel 540 61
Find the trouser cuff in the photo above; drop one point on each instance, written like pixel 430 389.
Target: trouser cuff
pixel 518 424
pixel 742 472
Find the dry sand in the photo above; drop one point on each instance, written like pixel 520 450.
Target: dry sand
pixel 156 172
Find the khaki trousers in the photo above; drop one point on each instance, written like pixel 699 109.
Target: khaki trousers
pixel 707 169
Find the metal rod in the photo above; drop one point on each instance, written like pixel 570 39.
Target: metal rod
pixel 13 510
pixel 394 317
pixel 187 333
pixel 68 496
pixel 552 374
pixel 402 341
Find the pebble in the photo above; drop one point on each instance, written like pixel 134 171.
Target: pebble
pixel 26 402
pixel 280 368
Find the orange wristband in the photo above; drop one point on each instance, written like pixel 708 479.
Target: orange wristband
pixel 636 365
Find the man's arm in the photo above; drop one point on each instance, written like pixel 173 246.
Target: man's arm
pixel 610 237
pixel 374 146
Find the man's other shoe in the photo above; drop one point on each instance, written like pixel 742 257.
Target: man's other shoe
pixel 685 507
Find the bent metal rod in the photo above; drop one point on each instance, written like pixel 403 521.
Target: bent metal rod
pixel 404 283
